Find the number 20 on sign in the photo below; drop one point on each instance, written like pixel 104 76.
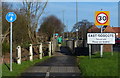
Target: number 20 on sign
pixel 102 18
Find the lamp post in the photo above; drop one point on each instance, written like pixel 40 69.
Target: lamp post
pixel 77 33
pixel 76 11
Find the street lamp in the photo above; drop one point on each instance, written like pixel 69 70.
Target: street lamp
pixel 77 33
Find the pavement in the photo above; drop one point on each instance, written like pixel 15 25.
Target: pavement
pixel 61 65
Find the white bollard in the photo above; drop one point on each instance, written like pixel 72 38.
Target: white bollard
pixel 90 51
pixel 18 54
pixel 31 52
pixel 40 51
pixel 112 50
pixel 75 44
pixel 50 49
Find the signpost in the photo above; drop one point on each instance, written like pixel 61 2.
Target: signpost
pixel 11 17
pixel 102 18
pixel 101 38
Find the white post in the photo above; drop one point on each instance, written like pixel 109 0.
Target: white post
pixel 50 49
pixel 75 43
pixel 52 46
pixel 40 51
pixel 10 46
pixel 90 51
pixel 18 54
pixel 112 50
pixel 101 50
pixel 31 52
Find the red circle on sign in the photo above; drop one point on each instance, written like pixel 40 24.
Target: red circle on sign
pixel 99 14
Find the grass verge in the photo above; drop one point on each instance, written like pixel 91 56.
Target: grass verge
pixel 96 66
pixel 18 69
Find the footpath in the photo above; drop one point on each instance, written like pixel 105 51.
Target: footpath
pixel 61 65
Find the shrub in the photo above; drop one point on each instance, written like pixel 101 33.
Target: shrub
pixel 5 47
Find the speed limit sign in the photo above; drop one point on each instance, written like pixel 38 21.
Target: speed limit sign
pixel 102 18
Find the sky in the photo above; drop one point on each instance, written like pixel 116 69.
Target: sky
pixel 60 0
pixel 86 10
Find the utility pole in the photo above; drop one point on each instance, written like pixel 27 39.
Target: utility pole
pixel 63 16
pixel 63 23
pixel 77 16
pixel 76 11
pixel 67 30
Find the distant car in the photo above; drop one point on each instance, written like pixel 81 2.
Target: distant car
pixel 117 41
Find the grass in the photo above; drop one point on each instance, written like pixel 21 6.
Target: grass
pixel 18 69
pixel 96 66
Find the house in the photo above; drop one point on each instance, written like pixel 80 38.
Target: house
pixel 94 29
pixel 117 31
pixel 106 29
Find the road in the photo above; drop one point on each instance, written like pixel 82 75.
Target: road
pixel 61 65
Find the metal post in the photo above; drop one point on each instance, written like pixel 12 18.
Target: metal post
pixel 101 50
pixel 10 46
pixel 76 11
pixel 112 50
pixel 63 16
pixel 90 51
pixel 63 23
pixel 77 35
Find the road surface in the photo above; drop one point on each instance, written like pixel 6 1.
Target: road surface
pixel 61 65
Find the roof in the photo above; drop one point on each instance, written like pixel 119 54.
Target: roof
pixel 109 29
pixel 116 29
pixel 94 29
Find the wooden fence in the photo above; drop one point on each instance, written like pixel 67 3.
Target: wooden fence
pixel 19 55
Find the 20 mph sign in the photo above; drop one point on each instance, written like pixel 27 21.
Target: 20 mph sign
pixel 102 18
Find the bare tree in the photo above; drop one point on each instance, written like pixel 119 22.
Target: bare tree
pixel 82 26
pixel 33 11
pixel 85 25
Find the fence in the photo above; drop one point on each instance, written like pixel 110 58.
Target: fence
pixel 73 44
pixel 31 53
pixel 80 47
